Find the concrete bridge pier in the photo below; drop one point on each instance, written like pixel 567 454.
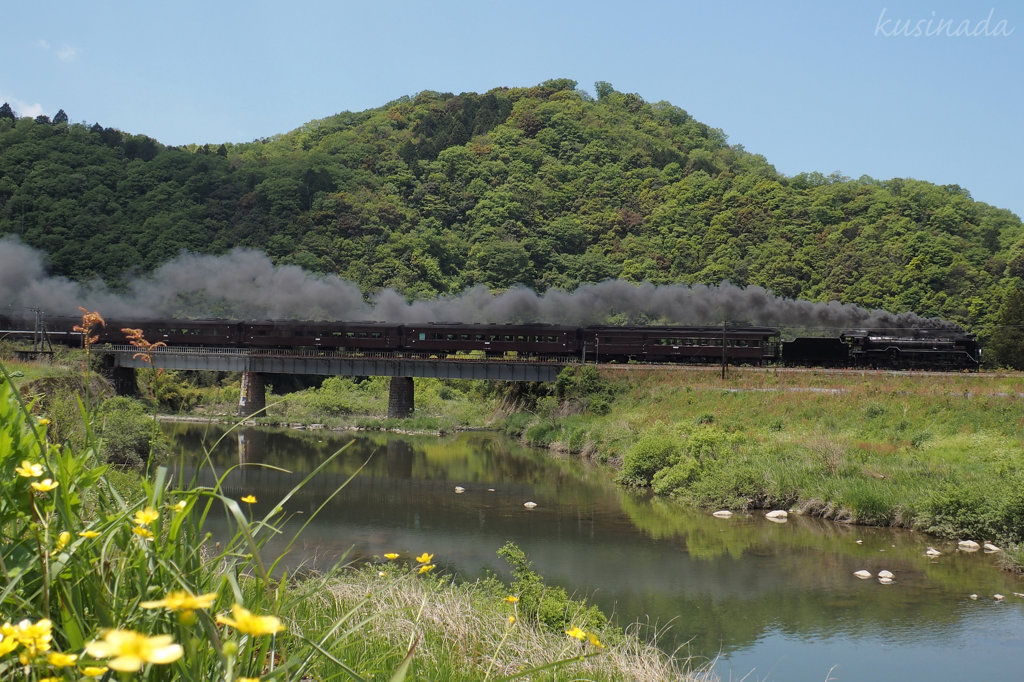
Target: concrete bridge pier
pixel 253 397
pixel 401 398
pixel 124 381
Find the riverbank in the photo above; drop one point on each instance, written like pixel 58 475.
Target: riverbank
pixel 104 580
pixel 942 454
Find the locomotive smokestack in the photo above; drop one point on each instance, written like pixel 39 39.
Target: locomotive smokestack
pixel 245 284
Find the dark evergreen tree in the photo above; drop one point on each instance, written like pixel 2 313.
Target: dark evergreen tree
pixel 60 117
pixel 7 112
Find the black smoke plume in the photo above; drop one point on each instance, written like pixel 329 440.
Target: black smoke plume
pixel 244 284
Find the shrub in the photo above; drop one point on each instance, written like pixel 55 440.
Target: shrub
pixel 731 484
pixel 542 433
pixel 549 606
pixel 129 436
pixel 673 479
pixel 656 449
pixel 955 509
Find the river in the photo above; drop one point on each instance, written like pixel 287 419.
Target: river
pixel 763 600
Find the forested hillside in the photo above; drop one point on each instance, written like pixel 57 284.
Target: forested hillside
pixel 544 186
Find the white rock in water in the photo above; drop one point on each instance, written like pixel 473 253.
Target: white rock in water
pixel 968 546
pixel 990 548
pixel 932 552
pixel 860 542
pixel 722 514
pixel 973 596
pixel 998 597
pixel 777 514
pixel 885 581
pixel 530 505
pixel 459 489
pixel 886 574
pixel 862 574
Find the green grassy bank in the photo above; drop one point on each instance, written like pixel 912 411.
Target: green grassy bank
pixel 942 454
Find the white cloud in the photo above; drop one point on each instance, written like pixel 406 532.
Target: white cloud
pixel 21 108
pixel 67 54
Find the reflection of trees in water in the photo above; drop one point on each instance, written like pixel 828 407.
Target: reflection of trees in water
pixel 722 584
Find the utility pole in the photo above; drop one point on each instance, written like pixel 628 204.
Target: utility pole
pixel 723 349
pixel 40 339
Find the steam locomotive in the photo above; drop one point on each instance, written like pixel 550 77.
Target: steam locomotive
pixel 941 350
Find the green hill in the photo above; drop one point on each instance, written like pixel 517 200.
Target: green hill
pixel 544 186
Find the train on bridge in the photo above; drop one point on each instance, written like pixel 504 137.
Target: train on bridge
pixel 925 349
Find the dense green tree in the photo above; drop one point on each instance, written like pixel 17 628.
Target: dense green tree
pixel 1007 344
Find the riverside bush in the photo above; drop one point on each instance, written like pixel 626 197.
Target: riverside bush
pixel 657 448
pixel 549 606
pixel 671 480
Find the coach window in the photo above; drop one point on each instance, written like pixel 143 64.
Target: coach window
pixel 423 337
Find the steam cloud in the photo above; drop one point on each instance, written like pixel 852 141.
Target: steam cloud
pixel 244 284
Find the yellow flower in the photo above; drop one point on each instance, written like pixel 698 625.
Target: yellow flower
pixel 45 485
pixel 179 505
pixel 7 644
pixel 43 421
pixel 248 679
pixel 249 499
pixel 424 558
pixel 391 556
pixel 60 660
pixel 577 633
pixel 245 621
pixel 511 619
pixel 62 542
pixel 35 637
pixel 426 567
pixel 29 470
pixel 182 601
pixel 511 599
pixel 128 651
pixel 144 533
pixel 144 517
pixel 94 670
pixel 89 534
pixel 595 641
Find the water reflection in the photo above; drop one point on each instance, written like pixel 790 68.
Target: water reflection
pixel 776 597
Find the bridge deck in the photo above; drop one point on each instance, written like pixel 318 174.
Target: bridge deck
pixel 332 363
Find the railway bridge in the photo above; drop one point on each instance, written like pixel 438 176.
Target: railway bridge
pixel 254 364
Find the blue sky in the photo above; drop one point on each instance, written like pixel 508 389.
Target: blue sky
pixel 813 86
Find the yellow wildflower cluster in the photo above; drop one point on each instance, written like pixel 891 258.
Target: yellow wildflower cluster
pixel 424 561
pixel 581 635
pixel 32 638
